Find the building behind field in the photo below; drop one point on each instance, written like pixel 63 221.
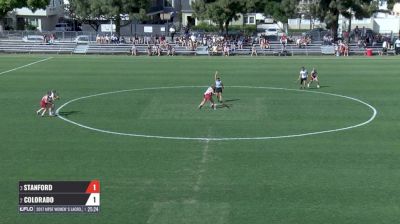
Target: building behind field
pixel 385 21
pixel 41 19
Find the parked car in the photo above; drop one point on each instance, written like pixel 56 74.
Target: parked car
pixel 269 20
pixel 368 32
pixel 263 26
pixel 33 38
pixel 82 39
pixel 63 27
pixel 316 34
pixel 272 31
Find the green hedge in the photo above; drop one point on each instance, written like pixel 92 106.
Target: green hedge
pixel 30 27
pixel 206 27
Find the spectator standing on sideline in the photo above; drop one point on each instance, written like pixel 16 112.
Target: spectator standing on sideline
pixel 254 50
pixel 397 46
pixel 133 50
pixel 357 34
pixel 385 46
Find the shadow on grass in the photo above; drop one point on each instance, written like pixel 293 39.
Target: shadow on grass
pixel 224 105
pixel 68 113
pixel 231 100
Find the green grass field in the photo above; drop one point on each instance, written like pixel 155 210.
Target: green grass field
pixel 344 176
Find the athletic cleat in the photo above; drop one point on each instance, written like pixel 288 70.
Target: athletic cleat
pixel 318 86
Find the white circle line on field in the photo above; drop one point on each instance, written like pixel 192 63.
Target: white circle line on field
pixel 374 113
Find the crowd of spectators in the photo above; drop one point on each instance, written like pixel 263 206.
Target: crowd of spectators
pixel 190 42
pixel 215 44
pixel 341 48
pixel 303 41
pixel 49 38
pixel 363 38
pixel 109 39
pixel 328 39
pixel 227 44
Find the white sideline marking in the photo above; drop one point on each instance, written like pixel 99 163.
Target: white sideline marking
pixel 201 169
pixel 23 66
pixel 296 57
pixel 374 113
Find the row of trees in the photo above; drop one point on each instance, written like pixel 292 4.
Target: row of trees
pixel 92 11
pixel 223 12
pixel 8 5
pixel 86 11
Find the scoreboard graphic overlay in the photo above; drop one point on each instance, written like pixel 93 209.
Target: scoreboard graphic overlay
pixel 59 196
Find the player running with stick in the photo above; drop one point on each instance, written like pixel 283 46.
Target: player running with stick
pixel 208 97
pixel 47 103
pixel 303 78
pixel 313 77
pixel 53 97
pixel 43 104
pixel 219 86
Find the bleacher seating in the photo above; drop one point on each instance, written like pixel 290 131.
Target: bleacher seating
pixel 356 50
pixel 311 49
pixel 108 49
pixel 180 50
pixel 126 49
pixel 275 49
pixel 23 47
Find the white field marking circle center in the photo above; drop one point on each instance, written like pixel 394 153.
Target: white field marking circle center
pixel 374 112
